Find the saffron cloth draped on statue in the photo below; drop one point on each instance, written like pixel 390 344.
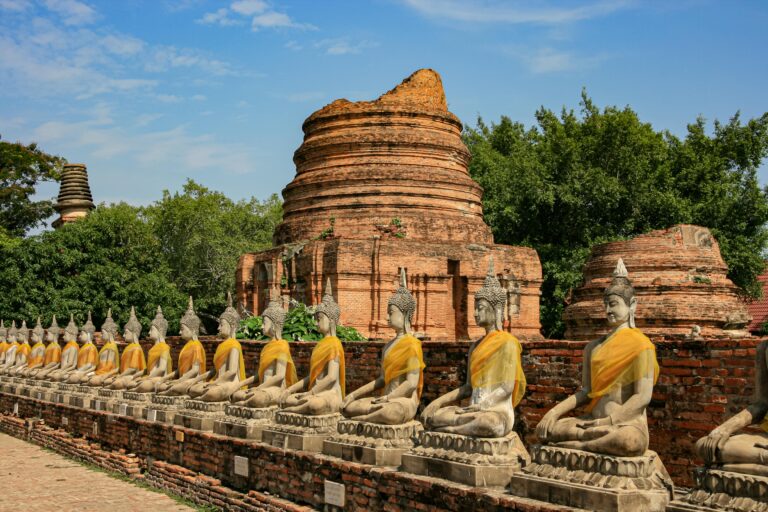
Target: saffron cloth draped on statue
pixel 133 358
pixel 159 350
pixel 404 357
pixel 110 364
pixel 326 350
pixel 193 352
pixel 222 353
pixel 277 350
pixel 497 359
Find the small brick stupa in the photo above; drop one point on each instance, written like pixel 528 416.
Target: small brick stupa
pixel 382 185
pixel 680 281
pixel 75 200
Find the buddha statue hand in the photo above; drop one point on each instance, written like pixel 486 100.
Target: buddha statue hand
pixel 708 447
pixel 547 425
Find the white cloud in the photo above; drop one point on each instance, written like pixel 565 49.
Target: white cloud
pixel 122 45
pixel 15 5
pixel 248 7
pixel 167 57
pixel 550 60
pixel 147 119
pixel 199 97
pixel 169 98
pixel 72 12
pixel 516 11
pixel 263 16
pixel 273 19
pixel 219 17
pixel 343 46
pixel 293 45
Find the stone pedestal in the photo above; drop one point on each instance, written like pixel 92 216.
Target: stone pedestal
pixel 106 399
pixel 717 490
pixel 594 482
pixel 133 404
pixel 63 393
pixel 200 415
pixel 83 396
pixel 300 431
pixel 371 443
pixel 244 422
pixel 163 408
pixel 475 461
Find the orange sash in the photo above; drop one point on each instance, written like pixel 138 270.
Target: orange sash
pixel 497 359
pixel 328 349
pixel 88 354
pixel 405 356
pixel 52 354
pixel 37 359
pixel 25 349
pixel 222 353
pixel 277 350
pixel 157 351
pixel 193 352
pixel 133 358
pixel 110 364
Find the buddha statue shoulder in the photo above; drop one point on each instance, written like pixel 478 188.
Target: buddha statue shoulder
pixel 52 353
pixel 69 354
pixel 87 355
pixel 495 379
pixel 276 370
pixel 191 367
pixel 37 353
pixel 402 370
pixel 323 390
pixel 619 372
pixel 133 363
pixel 228 361
pixel 159 361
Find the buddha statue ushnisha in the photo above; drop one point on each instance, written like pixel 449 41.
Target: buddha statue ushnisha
pixel 402 368
pixel 159 361
pixel 132 361
pixel 276 369
pixel 495 379
pixel 619 373
pixel 227 360
pixel 13 346
pixel 322 391
pixel 69 354
pixel 109 355
pixel 52 354
pixel 37 353
pixel 191 368
pixel 87 356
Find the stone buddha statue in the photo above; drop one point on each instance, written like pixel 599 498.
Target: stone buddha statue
pixel 109 355
pixel 227 360
pixel 87 356
pixel 37 352
pixel 276 369
pixel 495 380
pixel 52 354
pixel 10 352
pixel 619 373
pixel 132 361
pixel 69 354
pixel 402 367
pixel 191 368
pixel 323 390
pixel 159 361
pixel 3 341
pixel 23 350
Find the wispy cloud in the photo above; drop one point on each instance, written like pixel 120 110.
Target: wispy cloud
pixel 294 45
pixel 72 12
pixel 248 7
pixel 262 16
pixel 219 17
pixel 15 5
pixel 164 58
pixel 516 11
pixel 550 60
pixel 344 46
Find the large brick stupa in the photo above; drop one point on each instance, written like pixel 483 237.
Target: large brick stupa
pixel 382 185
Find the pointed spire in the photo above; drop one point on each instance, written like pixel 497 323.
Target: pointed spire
pixel 39 329
pixel 491 271
pixel 133 324
pixel 621 269
pixel 54 328
pixel 328 287
pixel 160 323
pixel 190 319
pixel 402 299
pixel 230 314
pixel 229 299
pixel 328 305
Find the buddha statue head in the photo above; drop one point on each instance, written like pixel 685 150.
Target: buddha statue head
pixel 109 328
pixel 619 298
pixel 132 328
pixel 190 323
pixel 71 330
pixel 38 333
pixel 229 321
pixel 12 332
pixel 3 332
pixel 328 312
pixel 53 331
pixel 490 301
pixel 159 326
pixel 22 336
pixel 401 307
pixel 274 317
pixel 87 330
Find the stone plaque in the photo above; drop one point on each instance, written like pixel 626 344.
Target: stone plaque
pixel 241 466
pixel 123 409
pixel 64 420
pixel 152 415
pixel 95 429
pixel 335 493
pixel 180 436
pixel 16 408
pixel 39 395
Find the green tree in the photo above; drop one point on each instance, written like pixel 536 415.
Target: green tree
pixel 22 169
pixel 574 181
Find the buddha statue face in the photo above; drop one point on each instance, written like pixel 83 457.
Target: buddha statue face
pixel 485 314
pixel 130 336
pixel 83 337
pixel 186 332
pixel 36 338
pixel 396 318
pixel 49 337
pixel 268 327
pixel 154 333
pixel 225 329
pixel 617 310
pixel 323 323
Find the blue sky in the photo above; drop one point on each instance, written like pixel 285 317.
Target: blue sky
pixel 150 92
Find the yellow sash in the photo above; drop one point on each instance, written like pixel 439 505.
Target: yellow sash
pixel 328 349
pixel 88 354
pixel 622 359
pixel 133 358
pixel 278 350
pixel 222 353
pixel 4 346
pixel 497 359
pixel 71 345
pixel 37 360
pixel 25 349
pixel 157 351
pixel 403 357
pixel 193 352
pixel 764 424
pixel 52 354
pixel 107 366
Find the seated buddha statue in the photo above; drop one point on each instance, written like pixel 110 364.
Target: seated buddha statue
pixel 276 368
pixel 23 350
pixel 37 353
pixel 10 352
pixel 191 367
pixel 132 361
pixel 322 391
pixel 108 357
pixel 227 360
pixel 619 372
pixel 52 354
pixel 401 378
pixel 745 452
pixel 69 354
pixel 87 355
pixel 495 379
pixel 3 342
pixel 159 361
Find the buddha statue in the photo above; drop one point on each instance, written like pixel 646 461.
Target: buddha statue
pixel 159 362
pixel 3 341
pixel 87 356
pixel 619 373
pixel 402 367
pixel 276 369
pixel 10 352
pixel 109 355
pixel 495 380
pixel 52 354
pixel 323 390
pixel 37 352
pixel 69 354
pixel 23 349
pixel 132 361
pixel 227 360
pixel 191 368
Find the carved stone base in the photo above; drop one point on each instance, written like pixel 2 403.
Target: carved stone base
pixel 163 408
pixel 594 482
pixel 475 461
pixel 371 443
pixel 717 489
pixel 41 393
pixel 133 404
pixel 106 399
pixel 244 422
pixel 63 393
pixel 199 415
pixel 300 431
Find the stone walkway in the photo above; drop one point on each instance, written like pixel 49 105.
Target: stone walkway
pixel 33 479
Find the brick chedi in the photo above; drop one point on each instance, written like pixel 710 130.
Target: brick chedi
pixel 681 285
pixel 75 200
pixel 383 185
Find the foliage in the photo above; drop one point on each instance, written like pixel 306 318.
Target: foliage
pixel 22 169
pixel 300 324
pixel 328 232
pixel 574 181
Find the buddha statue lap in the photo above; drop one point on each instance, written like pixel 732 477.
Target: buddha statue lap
pixel 132 361
pixel 191 367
